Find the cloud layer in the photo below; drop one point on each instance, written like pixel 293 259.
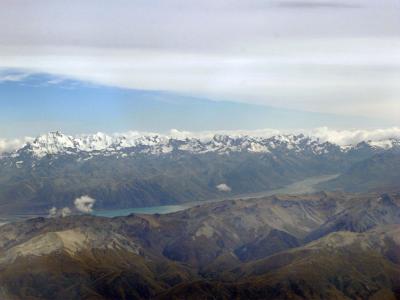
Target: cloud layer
pixel 323 55
pixel 352 137
pixel 324 134
pixel 7 145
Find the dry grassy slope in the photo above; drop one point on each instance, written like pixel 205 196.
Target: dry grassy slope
pixel 257 245
pixel 343 265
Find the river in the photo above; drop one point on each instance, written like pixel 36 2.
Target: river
pixel 305 186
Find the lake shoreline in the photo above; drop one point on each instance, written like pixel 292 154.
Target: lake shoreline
pixel 305 186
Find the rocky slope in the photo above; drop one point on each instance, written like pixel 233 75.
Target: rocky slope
pixel 342 265
pixel 319 246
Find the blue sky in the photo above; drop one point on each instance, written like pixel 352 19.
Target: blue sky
pixel 39 103
pixel 262 63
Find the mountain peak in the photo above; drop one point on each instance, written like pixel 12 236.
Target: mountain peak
pixel 50 143
pixel 56 142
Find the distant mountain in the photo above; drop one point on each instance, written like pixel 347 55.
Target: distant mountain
pixel 142 170
pixel 56 143
pixel 379 172
pixel 241 249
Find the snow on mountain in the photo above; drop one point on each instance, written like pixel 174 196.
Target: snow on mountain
pixel 51 143
pixel 54 143
pixel 385 144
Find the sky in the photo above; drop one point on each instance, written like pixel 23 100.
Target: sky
pixel 38 103
pixel 337 61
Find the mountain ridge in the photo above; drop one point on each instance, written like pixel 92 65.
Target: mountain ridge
pixel 241 249
pixel 54 143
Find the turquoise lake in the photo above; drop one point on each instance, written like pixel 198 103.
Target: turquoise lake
pixel 300 187
pixel 164 209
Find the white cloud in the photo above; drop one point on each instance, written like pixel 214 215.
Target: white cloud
pixel 343 76
pixel 223 187
pixel 323 55
pixel 8 145
pixel 352 137
pixel 209 134
pixel 84 204
pixel 66 211
pixel 53 212
pixel 324 134
pixel 63 212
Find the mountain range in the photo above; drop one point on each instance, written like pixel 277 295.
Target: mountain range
pixel 133 143
pixel 135 170
pixel 316 246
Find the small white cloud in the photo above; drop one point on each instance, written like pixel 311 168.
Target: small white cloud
pixel 223 187
pixel 84 204
pixel 63 212
pixel 52 212
pixel 66 211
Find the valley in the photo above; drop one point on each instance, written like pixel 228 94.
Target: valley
pixel 308 185
pixel 124 172
pixel 301 187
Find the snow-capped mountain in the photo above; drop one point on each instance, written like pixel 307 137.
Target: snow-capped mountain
pixel 133 169
pixel 57 143
pixel 54 143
